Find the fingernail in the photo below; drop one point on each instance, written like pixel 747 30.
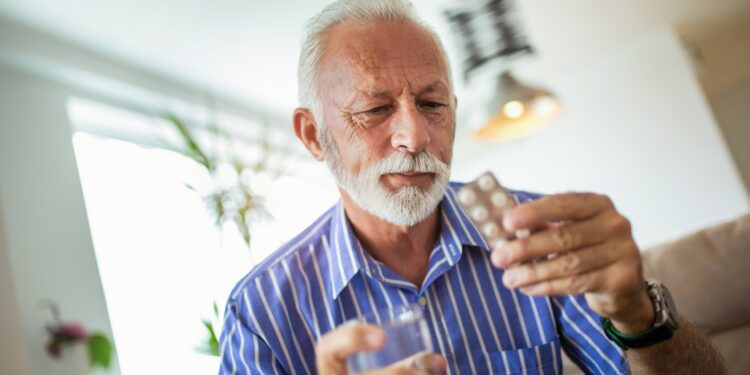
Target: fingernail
pixel 501 256
pixel 509 221
pixel 510 279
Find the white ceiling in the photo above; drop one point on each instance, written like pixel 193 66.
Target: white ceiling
pixel 248 49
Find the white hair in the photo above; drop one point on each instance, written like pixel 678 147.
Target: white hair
pixel 359 11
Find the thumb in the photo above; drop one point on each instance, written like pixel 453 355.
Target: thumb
pixel 336 346
pixel 433 364
pixel 425 362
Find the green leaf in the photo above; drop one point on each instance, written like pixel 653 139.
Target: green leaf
pixel 216 309
pixel 100 351
pixel 240 220
pixel 211 345
pixel 193 150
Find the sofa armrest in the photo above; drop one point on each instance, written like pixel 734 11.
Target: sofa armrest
pixel 708 273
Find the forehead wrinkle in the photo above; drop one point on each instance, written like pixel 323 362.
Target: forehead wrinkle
pixel 420 76
pixel 414 89
pixel 396 60
pixel 381 69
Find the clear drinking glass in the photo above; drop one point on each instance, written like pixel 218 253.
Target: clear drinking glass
pixel 406 332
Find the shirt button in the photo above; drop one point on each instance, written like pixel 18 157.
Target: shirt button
pixel 422 301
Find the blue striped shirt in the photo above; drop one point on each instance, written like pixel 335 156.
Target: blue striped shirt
pixel 324 277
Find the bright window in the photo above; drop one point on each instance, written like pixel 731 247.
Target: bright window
pixel 161 259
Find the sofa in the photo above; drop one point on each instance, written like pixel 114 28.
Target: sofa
pixel 708 274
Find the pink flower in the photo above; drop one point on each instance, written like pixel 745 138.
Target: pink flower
pixel 72 332
pixel 65 334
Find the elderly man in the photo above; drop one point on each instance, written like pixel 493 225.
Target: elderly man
pixel 379 109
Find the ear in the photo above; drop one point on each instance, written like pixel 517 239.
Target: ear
pixel 306 130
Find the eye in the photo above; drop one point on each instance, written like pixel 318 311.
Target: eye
pixel 431 105
pixel 378 110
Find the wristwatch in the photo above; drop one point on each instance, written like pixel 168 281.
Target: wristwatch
pixel 665 321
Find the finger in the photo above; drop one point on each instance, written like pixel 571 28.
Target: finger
pixel 559 207
pixel 430 363
pixel 565 265
pixel 576 284
pixel 395 371
pixel 433 364
pixel 424 363
pixel 334 347
pixel 556 238
pixel 600 280
pixel 609 291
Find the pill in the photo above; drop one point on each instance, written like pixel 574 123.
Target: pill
pixel 491 230
pixel 486 182
pixel 498 199
pixel 479 213
pixel 467 196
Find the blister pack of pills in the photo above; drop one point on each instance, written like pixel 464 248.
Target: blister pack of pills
pixel 486 201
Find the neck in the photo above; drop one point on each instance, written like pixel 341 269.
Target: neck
pixel 404 249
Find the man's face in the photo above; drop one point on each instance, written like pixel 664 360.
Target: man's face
pixel 389 111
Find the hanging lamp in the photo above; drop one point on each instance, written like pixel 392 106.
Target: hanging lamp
pixel 489 35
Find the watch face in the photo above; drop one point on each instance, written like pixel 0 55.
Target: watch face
pixel 669 308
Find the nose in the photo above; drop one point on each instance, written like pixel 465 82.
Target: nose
pixel 410 130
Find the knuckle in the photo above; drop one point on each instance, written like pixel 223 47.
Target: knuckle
pixel 571 263
pixel 563 237
pixel 618 224
pixel 576 284
pixel 632 253
pixel 606 201
pixel 564 204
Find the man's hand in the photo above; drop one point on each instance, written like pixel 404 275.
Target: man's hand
pixel 336 346
pixel 580 244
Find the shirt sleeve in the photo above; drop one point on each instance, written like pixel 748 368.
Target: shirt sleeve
pixel 583 337
pixel 242 351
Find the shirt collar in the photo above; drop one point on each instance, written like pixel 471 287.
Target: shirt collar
pixel 348 257
pixel 457 230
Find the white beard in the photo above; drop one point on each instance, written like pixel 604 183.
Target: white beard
pixel 407 205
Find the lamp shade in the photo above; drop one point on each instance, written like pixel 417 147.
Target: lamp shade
pixel 518 111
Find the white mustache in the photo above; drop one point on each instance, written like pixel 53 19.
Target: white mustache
pixel 403 162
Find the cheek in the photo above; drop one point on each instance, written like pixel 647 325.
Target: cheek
pixel 357 153
pixel 442 141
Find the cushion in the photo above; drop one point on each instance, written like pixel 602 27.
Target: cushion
pixel 708 273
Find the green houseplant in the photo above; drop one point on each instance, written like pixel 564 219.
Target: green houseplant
pixel 231 201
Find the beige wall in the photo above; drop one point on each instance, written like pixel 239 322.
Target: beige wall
pixel 13 358
pixel 732 110
pixel 722 60
pixel 637 127
pixel 46 235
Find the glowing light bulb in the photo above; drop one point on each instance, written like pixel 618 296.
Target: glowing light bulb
pixel 513 109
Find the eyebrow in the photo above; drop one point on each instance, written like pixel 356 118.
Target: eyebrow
pixel 425 90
